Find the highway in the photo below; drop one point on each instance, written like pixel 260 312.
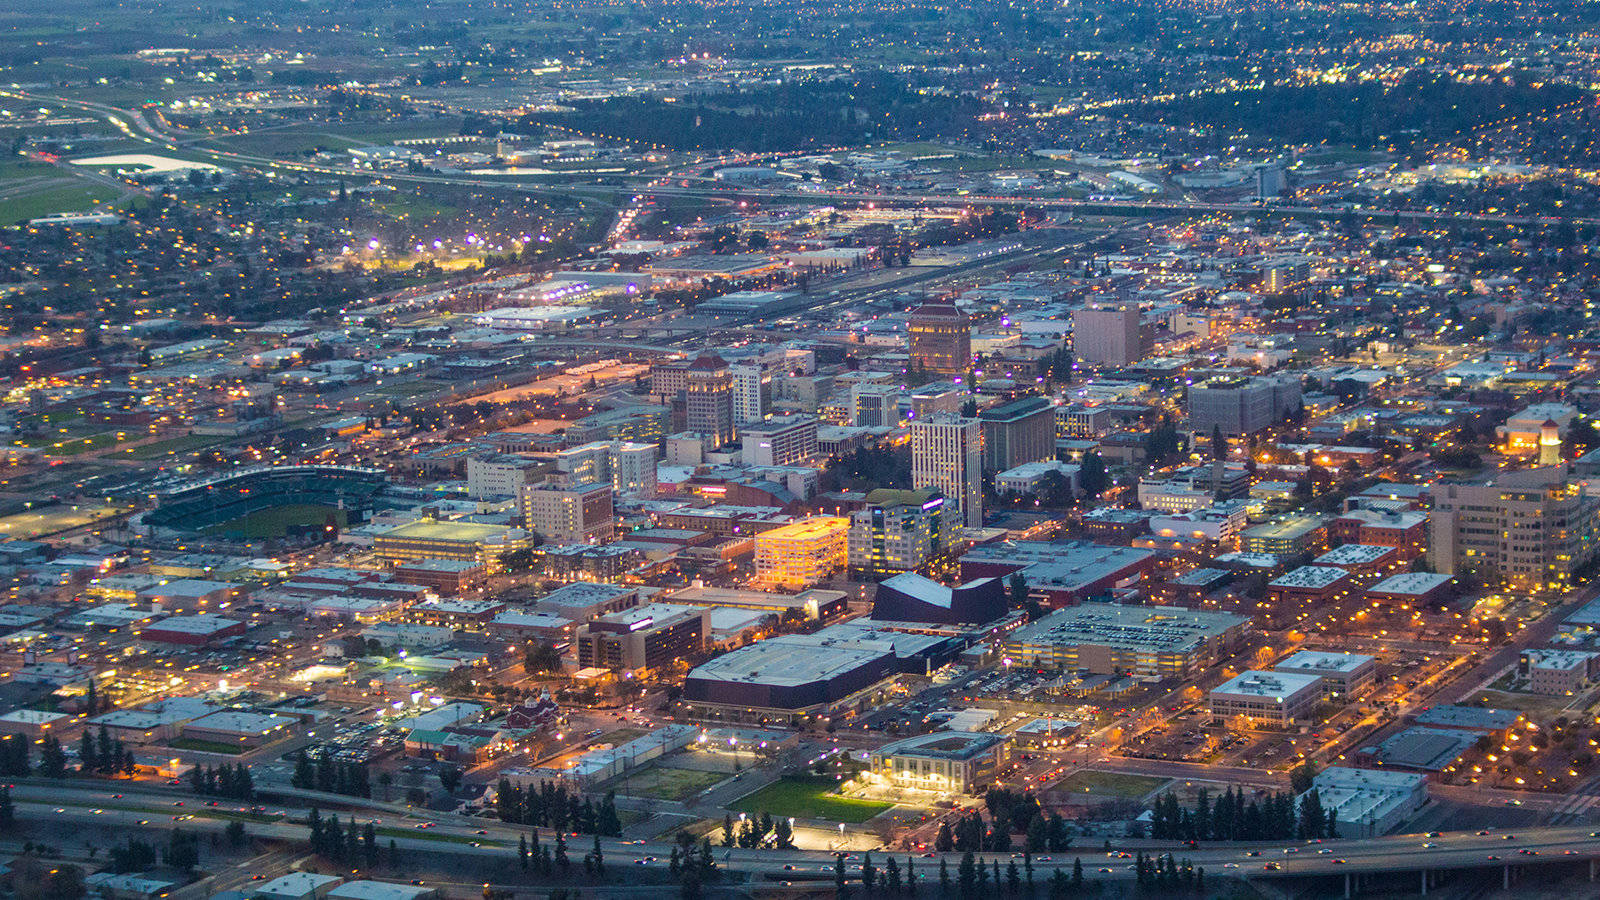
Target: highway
pixel 141 806
pixel 134 123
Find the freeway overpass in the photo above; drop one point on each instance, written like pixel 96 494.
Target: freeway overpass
pixel 125 805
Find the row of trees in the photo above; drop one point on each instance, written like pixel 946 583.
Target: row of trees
pixel 348 845
pixel 975 878
pixel 1231 818
pixel 1011 812
pixel 330 775
pixel 135 855
pixel 103 755
pixel 1166 874
pixel 553 806
pixel 232 781
pixel 752 833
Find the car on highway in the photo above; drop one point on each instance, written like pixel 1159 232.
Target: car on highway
pixel 1271 867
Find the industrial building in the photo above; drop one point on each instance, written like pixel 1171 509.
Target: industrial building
pixel 1370 802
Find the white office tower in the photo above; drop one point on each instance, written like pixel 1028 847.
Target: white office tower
pixel 947 453
pixel 752 391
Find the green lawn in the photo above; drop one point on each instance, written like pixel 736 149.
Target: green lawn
pixel 1110 784
pixel 276 522
pixel 207 746
pixel 55 196
pixel 808 798
pixel 84 444
pixel 170 447
pixel 667 783
pixel 406 388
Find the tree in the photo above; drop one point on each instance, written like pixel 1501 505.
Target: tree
pixel 183 850
pixel 841 886
pixel 235 834
pixel 1301 776
pixel 1092 475
pixel 944 842
pixel 1219 444
pixel 449 778
pixel 52 760
pixel 869 872
pixel 539 658
pixel 1017 587
pixel 8 811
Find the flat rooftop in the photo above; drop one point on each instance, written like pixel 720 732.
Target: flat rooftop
pixel 944 745
pixel 1146 628
pixel 1310 578
pixel 1410 584
pixel 1354 555
pixel 790 661
pixel 1324 661
pixel 446 531
pixel 1424 749
pixel 1278 686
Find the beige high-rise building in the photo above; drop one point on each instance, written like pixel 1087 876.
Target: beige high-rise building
pixel 947 453
pixel 578 514
pixel 1530 528
pixel 940 338
pixel 1107 335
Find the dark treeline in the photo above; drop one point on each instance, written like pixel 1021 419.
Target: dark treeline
pixel 1231 818
pixel 789 116
pixel 553 806
pixel 1367 114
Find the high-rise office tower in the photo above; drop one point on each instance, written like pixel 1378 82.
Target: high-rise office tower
pixel 708 400
pixel 947 453
pixel 1022 431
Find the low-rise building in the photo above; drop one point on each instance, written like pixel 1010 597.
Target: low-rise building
pixel 1148 642
pixel 1412 590
pixel 1275 698
pixel 1557 672
pixel 1370 802
pixel 1343 674
pixel 944 761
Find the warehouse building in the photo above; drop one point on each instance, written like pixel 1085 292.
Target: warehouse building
pixel 236 728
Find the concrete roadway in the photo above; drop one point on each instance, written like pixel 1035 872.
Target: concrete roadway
pixel 1401 853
